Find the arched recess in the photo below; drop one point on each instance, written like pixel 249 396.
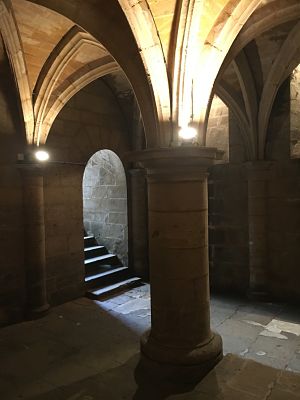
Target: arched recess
pixel 282 67
pixel 117 38
pixel 55 86
pixel 263 19
pixel 105 203
pixel 91 120
pixel 233 102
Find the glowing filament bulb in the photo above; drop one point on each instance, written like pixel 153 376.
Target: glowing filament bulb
pixel 187 133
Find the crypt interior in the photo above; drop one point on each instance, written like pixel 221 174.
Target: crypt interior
pixel 150 199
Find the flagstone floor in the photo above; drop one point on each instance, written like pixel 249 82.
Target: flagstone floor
pixel 86 350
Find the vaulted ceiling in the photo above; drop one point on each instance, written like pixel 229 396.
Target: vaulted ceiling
pixel 174 53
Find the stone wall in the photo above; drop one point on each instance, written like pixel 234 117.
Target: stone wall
pixel 228 209
pixel 218 127
pixel 283 218
pixel 105 203
pixel 283 221
pixel 64 232
pixel 228 228
pixel 92 120
pixel 295 114
pixel 237 146
pixel 278 134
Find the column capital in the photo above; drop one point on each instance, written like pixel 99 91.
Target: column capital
pixel 182 162
pixel 136 171
pixel 185 156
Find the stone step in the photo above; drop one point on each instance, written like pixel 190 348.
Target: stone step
pixel 101 263
pixel 111 289
pixel 106 277
pixel 94 251
pixel 105 273
pixel 110 259
pixel 89 241
pixel 96 268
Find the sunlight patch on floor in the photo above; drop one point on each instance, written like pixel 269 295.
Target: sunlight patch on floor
pixel 276 327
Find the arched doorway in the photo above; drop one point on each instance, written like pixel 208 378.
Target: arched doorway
pixel 105 203
pixel 105 223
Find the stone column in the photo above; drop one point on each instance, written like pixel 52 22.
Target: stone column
pixel 180 338
pixel 258 176
pixel 34 230
pixel 139 222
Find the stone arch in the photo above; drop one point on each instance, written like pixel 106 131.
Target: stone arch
pixel 281 69
pixel 51 94
pixel 212 54
pixel 120 43
pixel 73 139
pixel 139 17
pixel 11 37
pixel 264 19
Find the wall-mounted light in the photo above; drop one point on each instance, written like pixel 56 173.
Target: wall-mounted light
pixel 187 133
pixel 41 155
pixel 32 156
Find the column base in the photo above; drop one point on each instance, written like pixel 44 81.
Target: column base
pixel 258 295
pixel 180 365
pixel 36 313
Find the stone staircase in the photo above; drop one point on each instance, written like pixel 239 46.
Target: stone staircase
pixel 104 272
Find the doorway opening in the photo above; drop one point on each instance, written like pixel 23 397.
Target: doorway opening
pixel 106 225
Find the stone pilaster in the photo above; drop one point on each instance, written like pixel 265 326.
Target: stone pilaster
pixel 180 338
pixel 258 177
pixel 34 229
pixel 139 222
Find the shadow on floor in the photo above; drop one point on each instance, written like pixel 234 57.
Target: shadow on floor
pixel 85 350
pixel 129 381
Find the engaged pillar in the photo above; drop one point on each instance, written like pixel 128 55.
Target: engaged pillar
pixel 139 222
pixel 258 177
pixel 180 337
pixel 34 230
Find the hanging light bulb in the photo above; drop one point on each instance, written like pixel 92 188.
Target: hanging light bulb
pixel 187 133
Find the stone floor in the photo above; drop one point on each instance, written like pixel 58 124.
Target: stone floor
pixel 86 350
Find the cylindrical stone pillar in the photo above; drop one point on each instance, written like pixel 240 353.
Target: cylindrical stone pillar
pixel 258 176
pixel 139 223
pixel 180 335
pixel 34 230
